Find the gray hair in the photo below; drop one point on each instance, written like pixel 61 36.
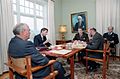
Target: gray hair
pixel 18 28
pixel 111 27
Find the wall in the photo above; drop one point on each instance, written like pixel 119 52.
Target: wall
pixel 58 16
pixel 73 6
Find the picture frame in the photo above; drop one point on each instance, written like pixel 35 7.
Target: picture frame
pixel 79 20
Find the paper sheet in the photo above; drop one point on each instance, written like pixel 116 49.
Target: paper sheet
pixel 63 51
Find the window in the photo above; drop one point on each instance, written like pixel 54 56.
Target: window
pixel 30 12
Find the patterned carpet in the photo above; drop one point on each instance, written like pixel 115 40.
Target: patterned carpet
pixel 112 73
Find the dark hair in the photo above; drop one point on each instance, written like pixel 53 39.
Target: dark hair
pixel 93 29
pixel 80 28
pixel 43 29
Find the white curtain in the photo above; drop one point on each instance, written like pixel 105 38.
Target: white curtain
pixel 51 26
pixel 6 25
pixel 108 13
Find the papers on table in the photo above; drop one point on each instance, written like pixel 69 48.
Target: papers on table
pixel 63 51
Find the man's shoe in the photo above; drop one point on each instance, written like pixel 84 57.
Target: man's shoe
pixel 67 76
pixel 92 69
pixel 98 65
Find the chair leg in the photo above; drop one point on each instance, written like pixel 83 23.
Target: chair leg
pixel 86 66
pixel 108 61
pixel 104 70
pixel 11 76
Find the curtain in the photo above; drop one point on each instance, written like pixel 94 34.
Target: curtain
pixel 108 13
pixel 6 25
pixel 51 26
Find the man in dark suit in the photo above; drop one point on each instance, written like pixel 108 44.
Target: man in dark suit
pixel 96 43
pixel 19 47
pixel 80 36
pixel 112 38
pixel 40 40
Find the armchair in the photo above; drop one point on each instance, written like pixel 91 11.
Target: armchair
pixel 104 60
pixel 23 67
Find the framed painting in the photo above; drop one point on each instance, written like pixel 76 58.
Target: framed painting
pixel 79 20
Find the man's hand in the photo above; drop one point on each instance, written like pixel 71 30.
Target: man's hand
pixel 46 41
pixel 111 41
pixel 84 44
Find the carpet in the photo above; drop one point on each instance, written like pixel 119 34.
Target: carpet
pixel 112 73
pixel 80 71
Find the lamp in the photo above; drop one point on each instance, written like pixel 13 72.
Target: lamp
pixel 62 30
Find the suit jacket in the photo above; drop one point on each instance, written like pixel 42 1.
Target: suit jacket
pixel 111 37
pixel 96 43
pixel 20 48
pixel 38 41
pixel 84 37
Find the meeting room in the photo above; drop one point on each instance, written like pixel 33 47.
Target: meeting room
pixel 59 39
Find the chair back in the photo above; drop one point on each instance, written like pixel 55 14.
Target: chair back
pixel 106 45
pixel 23 67
pixel 19 62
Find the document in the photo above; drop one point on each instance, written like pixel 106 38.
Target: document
pixel 63 51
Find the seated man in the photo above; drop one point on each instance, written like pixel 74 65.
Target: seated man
pixel 112 38
pixel 96 43
pixel 80 36
pixel 20 47
pixel 40 40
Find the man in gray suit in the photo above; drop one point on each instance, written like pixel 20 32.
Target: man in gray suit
pixel 19 47
pixel 96 43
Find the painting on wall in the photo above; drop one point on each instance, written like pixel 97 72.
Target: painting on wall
pixel 79 20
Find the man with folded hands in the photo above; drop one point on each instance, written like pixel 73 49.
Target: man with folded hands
pixel 80 37
pixel 112 38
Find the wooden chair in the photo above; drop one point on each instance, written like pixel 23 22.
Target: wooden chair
pixel 104 60
pixel 23 67
pixel 113 55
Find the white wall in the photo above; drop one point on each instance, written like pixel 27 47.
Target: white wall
pixel 58 16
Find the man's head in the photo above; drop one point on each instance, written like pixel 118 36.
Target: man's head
pixel 92 31
pixel 110 29
pixel 80 30
pixel 22 30
pixel 79 18
pixel 44 31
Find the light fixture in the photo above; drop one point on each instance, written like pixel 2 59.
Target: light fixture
pixel 62 30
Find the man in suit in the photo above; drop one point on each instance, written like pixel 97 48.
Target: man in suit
pixel 112 38
pixel 19 47
pixel 96 43
pixel 40 40
pixel 80 36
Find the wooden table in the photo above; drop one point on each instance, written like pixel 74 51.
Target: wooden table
pixel 69 55
pixel 62 41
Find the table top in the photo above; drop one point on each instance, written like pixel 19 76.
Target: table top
pixel 71 53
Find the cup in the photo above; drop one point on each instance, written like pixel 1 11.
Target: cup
pixel 69 46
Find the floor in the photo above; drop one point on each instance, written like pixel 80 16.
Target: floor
pixel 112 73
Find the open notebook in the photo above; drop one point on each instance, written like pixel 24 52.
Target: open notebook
pixel 63 51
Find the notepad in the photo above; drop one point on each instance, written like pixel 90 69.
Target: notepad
pixel 63 51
